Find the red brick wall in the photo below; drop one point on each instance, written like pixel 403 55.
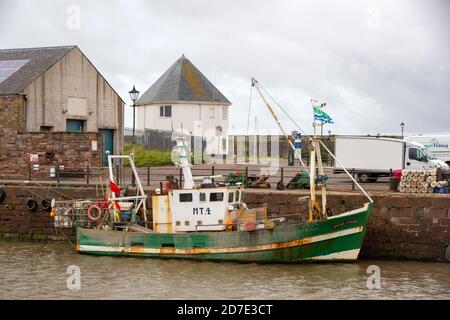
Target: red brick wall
pixel 71 149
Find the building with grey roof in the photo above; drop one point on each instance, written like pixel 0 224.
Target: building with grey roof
pixel 183 98
pixel 58 90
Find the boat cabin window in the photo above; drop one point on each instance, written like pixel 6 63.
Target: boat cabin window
pixel 216 196
pixel 185 197
pixel 202 196
pixel 231 197
pixel 237 196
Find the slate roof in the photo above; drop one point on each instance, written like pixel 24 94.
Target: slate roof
pixel 182 82
pixel 41 59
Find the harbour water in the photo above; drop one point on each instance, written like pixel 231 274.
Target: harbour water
pixel 40 271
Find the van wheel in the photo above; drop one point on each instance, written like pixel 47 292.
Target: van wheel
pixel 363 177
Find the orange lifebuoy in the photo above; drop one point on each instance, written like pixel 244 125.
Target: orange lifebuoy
pixel 99 213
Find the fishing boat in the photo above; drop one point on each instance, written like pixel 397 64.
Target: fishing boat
pixel 206 220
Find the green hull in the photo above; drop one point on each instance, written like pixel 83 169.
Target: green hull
pixel 337 238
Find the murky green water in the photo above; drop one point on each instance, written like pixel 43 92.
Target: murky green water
pixel 39 271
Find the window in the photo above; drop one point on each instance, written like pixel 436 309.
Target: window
pixel 225 113
pixel 74 125
pixel 216 196
pixel 185 197
pixel 211 112
pixel 178 223
pixel 165 111
pixel 237 196
pixel 202 196
pixel 230 197
pixel 46 128
pixel 187 223
pixel 416 154
pixel 199 222
pixel 220 221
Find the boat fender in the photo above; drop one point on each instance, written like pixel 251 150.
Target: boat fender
pixel 229 224
pixel 98 214
pixel 31 204
pixel 2 194
pixel 46 204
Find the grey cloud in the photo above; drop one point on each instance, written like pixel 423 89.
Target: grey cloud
pixel 376 63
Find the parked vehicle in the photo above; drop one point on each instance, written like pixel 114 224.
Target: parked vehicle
pixel 370 157
pixel 438 145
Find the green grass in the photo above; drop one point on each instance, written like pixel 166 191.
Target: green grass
pixel 146 158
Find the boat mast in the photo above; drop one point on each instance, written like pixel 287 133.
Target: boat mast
pixel 314 207
pixel 315 143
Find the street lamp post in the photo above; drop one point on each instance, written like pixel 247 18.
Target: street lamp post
pixel 134 94
pixel 402 125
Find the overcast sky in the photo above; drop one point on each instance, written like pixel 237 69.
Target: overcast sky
pixel 375 63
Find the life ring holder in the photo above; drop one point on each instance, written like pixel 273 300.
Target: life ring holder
pixel 99 213
pixel 31 204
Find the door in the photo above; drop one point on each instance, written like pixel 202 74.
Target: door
pixel 108 144
pixel 74 125
pixel 415 159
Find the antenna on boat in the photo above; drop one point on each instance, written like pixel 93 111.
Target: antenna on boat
pixel 181 150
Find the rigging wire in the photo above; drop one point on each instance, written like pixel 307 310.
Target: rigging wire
pixel 249 108
pixel 282 109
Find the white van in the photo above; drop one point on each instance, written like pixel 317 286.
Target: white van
pixel 370 158
pixel 438 145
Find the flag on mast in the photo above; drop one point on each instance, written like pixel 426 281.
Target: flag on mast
pixel 322 116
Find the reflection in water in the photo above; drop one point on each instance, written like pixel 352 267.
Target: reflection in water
pixel 38 271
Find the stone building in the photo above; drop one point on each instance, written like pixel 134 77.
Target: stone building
pixel 55 109
pixel 183 98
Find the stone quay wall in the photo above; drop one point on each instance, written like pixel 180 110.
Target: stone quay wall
pixel 402 226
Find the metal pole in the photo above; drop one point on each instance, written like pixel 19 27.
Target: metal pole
pixel 282 174
pixel 134 124
pixel 133 183
pixel 148 176
pixel 353 183
pixel 212 173
pixel 87 174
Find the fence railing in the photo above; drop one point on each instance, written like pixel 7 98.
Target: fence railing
pixel 153 176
